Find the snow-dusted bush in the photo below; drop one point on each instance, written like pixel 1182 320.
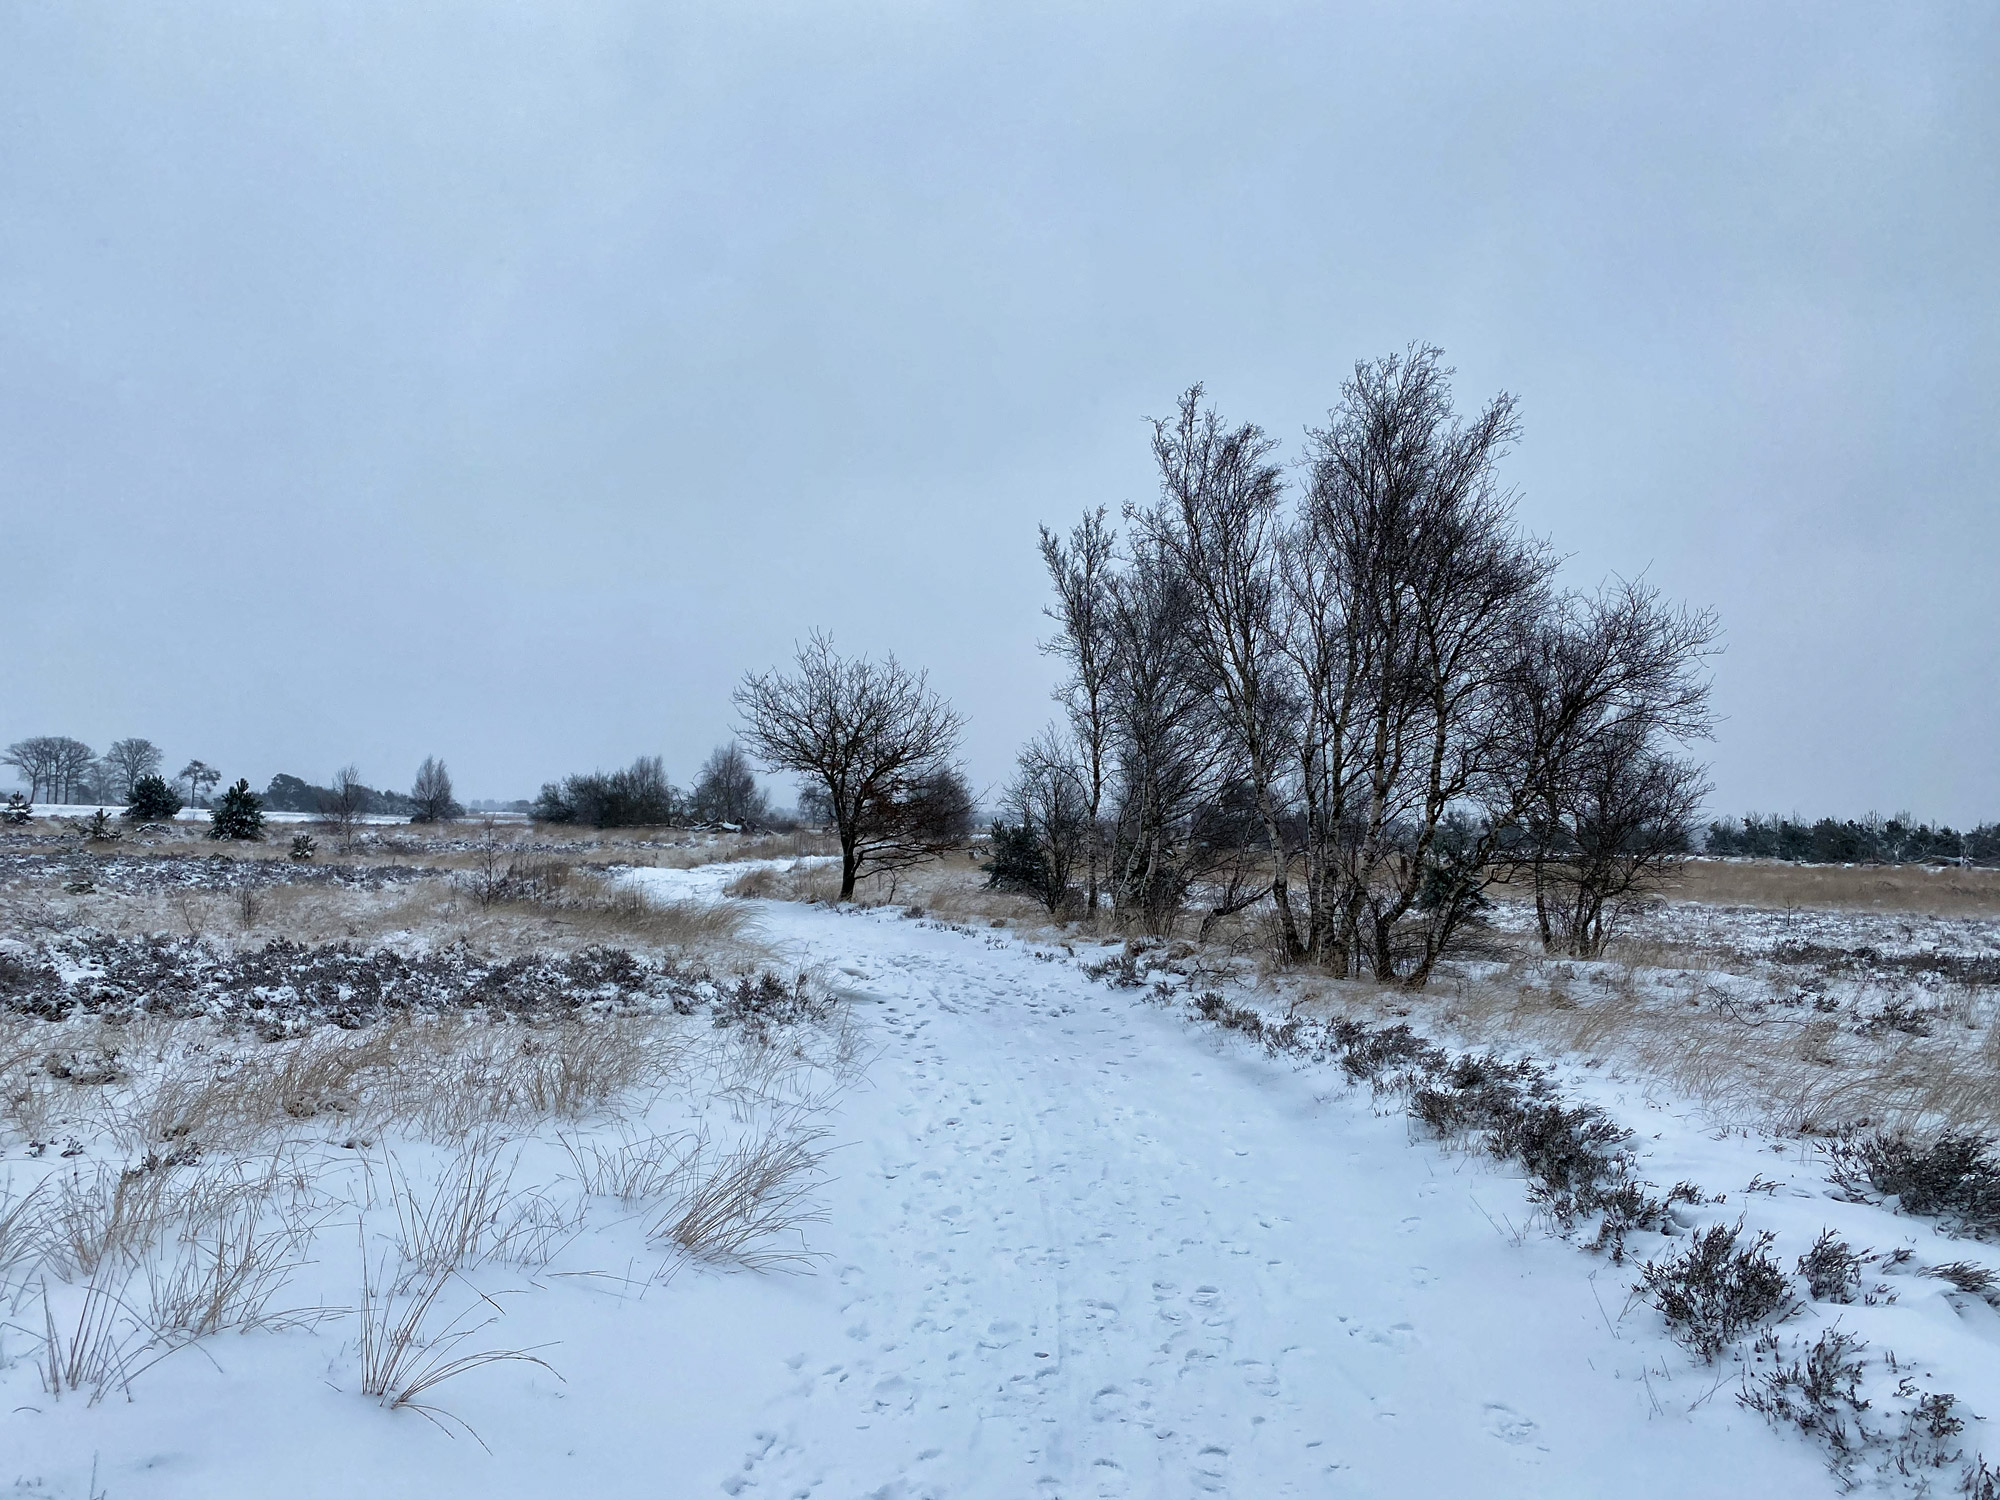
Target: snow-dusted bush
pixel 1717 1289
pixel 1955 1177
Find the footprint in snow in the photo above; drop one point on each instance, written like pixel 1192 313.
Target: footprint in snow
pixel 1000 1334
pixel 1259 1376
pixel 1108 1405
pixel 1211 1469
pixel 1110 1478
pixel 1507 1424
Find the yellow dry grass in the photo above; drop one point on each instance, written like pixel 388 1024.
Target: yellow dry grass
pixel 1938 891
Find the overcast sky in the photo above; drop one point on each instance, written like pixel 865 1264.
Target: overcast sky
pixel 503 381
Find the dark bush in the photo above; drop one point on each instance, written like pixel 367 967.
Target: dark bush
pixel 239 815
pixel 1819 1394
pixel 1017 863
pixel 154 800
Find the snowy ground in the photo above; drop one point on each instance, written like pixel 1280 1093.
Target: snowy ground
pixel 1073 1246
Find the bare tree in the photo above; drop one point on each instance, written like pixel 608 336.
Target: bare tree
pixel 1608 686
pixel 1385 683
pixel 200 778
pixel 1081 571
pixel 67 766
pixel 341 804
pixel 127 763
pixel 876 740
pixel 726 790
pixel 35 758
pixel 1620 821
pixel 1169 758
pixel 1218 521
pixel 1433 587
pixel 431 792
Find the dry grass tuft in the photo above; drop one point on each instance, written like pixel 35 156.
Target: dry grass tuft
pixel 736 1203
pixel 403 1358
pixel 634 1169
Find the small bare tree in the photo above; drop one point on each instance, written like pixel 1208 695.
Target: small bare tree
pixel 340 806
pixel 127 763
pixel 879 744
pixel 1606 688
pixel 1169 757
pixel 431 792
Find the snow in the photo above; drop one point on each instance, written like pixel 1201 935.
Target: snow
pixel 87 810
pixel 1073 1246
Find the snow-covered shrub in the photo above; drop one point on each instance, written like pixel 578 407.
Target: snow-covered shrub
pixel 1716 1290
pixel 1955 1177
pixel 763 1001
pixel 1832 1270
pixel 304 846
pixel 1820 1394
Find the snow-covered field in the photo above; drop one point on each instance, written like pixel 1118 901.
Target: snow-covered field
pixel 1071 1243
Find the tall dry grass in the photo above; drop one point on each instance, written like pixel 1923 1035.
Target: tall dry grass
pixel 1940 891
pixel 1790 1068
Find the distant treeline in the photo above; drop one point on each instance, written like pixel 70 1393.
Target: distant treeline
pixel 295 794
pixel 640 796
pixel 1870 840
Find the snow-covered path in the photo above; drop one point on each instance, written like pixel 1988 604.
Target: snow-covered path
pixel 1079 1249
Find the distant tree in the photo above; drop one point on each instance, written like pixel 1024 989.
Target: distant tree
pixel 640 796
pixel 432 794
pixel 876 740
pixel 239 815
pixel 126 763
pixel 341 805
pixel 726 790
pixel 815 808
pixel 74 763
pixel 153 799
pixel 34 758
pixel 200 778
pixel 288 793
